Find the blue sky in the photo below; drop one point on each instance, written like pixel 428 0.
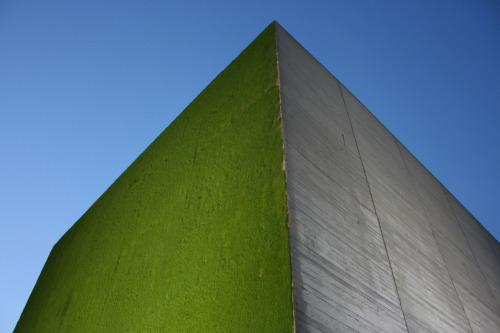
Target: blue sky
pixel 85 86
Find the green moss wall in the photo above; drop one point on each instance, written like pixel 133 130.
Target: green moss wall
pixel 193 236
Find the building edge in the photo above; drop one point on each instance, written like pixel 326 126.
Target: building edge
pixel 276 26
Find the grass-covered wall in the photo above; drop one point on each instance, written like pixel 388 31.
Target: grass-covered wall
pixel 193 236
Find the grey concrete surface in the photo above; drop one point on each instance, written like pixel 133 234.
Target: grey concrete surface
pixel 377 243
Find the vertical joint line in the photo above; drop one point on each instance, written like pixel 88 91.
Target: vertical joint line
pixel 432 231
pixel 373 203
pixel 468 244
pixel 284 168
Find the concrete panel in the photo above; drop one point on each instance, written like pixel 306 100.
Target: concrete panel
pixel 424 178
pixel 481 245
pixel 425 288
pixel 435 205
pixel 342 278
pixel 377 243
pixel 475 295
pixel 469 283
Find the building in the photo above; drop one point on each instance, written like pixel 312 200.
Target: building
pixel 275 202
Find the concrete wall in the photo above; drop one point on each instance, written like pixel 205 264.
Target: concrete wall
pixel 377 243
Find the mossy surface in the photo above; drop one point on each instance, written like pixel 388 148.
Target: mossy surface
pixel 193 236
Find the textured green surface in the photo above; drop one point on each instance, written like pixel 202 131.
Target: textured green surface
pixel 193 236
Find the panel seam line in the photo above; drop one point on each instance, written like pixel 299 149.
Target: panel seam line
pixel 373 202
pixel 413 181
pixel 447 193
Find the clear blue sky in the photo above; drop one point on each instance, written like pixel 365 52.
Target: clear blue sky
pixel 85 86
